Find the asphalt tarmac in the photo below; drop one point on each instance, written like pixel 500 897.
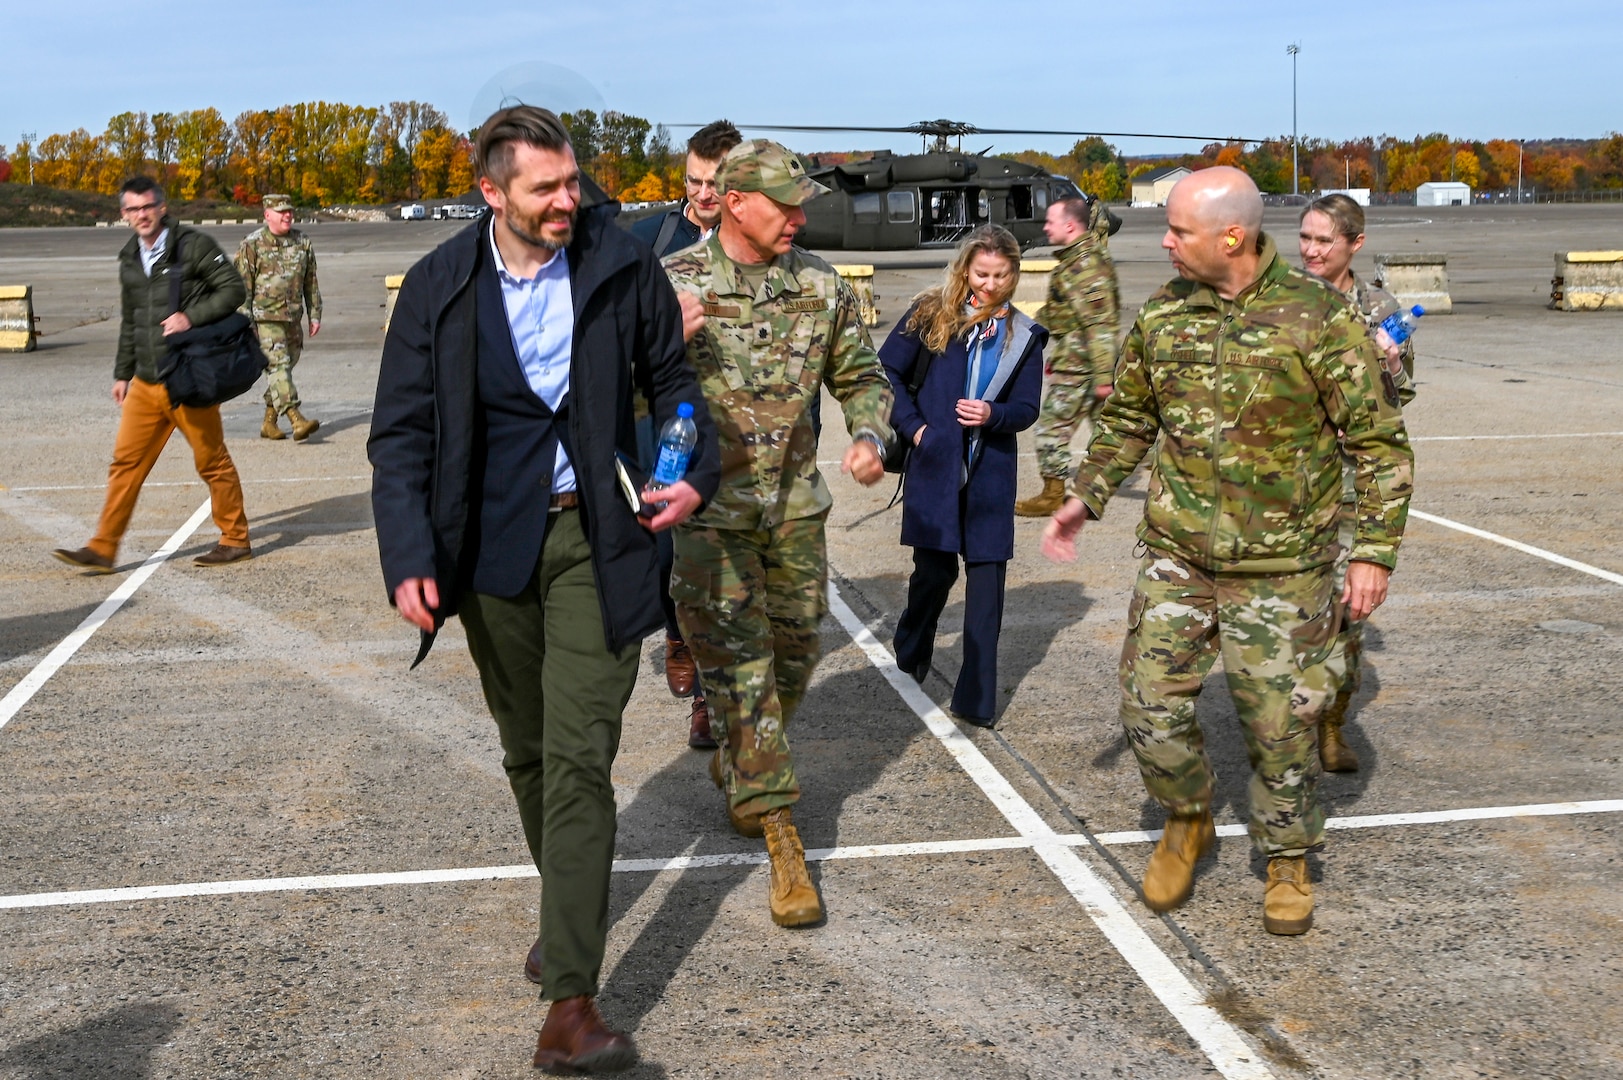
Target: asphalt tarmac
pixel 173 780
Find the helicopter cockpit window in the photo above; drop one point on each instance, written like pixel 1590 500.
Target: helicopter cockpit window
pixel 900 207
pixel 1040 194
pixel 1020 202
pixel 865 208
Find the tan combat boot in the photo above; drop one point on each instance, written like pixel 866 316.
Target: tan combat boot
pixel 1287 905
pixel 269 430
pixel 1334 753
pixel 1044 503
pixel 302 428
pixel 1170 877
pixel 794 900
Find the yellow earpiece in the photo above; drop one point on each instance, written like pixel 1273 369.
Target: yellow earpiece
pixel 1231 241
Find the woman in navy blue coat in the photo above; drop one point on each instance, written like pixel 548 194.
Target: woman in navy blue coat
pixel 983 384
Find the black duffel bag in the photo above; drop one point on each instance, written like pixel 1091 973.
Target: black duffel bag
pixel 212 363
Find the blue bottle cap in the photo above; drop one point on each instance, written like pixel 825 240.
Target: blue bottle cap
pixel 685 411
pixel 1417 311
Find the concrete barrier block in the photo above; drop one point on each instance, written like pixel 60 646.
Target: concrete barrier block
pixel 392 285
pixel 17 319
pixel 860 277
pixel 1421 278
pixel 1587 281
pixel 1032 292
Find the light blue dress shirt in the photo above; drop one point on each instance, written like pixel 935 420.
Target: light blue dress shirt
pixel 151 255
pixel 541 316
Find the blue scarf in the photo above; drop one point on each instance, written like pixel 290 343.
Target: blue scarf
pixel 985 342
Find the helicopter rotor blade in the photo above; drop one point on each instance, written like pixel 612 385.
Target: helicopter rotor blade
pixel 940 127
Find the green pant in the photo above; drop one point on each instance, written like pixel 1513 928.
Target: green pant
pixel 750 603
pixel 1274 632
pixel 1068 399
pixel 283 342
pixel 557 694
pixel 1347 656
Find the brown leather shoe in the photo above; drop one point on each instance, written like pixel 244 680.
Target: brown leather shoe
pixel 534 964
pixel 223 554
pixel 85 559
pixel 575 1037
pixel 699 736
pixel 793 898
pixel 1287 905
pixel 680 673
pixel 1170 876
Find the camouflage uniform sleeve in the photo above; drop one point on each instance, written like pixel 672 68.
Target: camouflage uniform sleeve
pixel 1126 429
pixel 1100 317
pixel 312 290
pixel 1067 350
pixel 1345 367
pixel 247 264
pixel 854 375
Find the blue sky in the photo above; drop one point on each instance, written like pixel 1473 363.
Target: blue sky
pixel 1487 69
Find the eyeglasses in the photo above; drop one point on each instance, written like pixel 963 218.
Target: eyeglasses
pixel 283 210
pixel 143 208
pixel 695 182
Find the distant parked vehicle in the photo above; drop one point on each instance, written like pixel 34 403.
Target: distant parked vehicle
pixel 413 212
pixel 455 211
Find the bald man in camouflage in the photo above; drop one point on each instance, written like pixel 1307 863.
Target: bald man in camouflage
pixel 1238 377
pixel 278 267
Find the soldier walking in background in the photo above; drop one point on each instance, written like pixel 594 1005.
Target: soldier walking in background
pixel 1330 234
pixel 1083 313
pixel 1249 380
pixel 278 267
pixel 768 325
pixel 692 220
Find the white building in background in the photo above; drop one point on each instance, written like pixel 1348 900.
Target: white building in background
pixel 1153 187
pixel 1443 193
pixel 1359 195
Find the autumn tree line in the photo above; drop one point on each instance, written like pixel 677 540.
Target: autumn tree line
pixel 1384 165
pixel 325 154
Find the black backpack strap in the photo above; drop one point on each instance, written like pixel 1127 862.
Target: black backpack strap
pixel 667 229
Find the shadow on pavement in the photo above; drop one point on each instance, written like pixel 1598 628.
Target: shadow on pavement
pixel 332 516
pixel 116 1045
pixel 23 634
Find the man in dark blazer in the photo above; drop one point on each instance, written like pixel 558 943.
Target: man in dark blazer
pixel 504 400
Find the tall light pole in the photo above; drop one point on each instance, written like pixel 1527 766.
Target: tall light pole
pixel 29 137
pixel 1518 172
pixel 1296 171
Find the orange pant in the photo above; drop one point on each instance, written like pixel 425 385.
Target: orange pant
pixel 143 429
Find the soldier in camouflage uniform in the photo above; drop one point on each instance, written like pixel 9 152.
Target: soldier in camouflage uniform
pixel 769 325
pixel 1239 376
pixel 1083 313
pixel 279 268
pixel 1330 234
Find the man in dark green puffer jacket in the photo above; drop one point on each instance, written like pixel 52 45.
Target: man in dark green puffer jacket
pixel 210 290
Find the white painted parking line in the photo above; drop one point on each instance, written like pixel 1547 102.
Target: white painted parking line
pixel 31 683
pixel 1384 821
pixel 131 894
pixel 1217 1038
pixel 1528 549
pixel 1543 435
pixel 198 483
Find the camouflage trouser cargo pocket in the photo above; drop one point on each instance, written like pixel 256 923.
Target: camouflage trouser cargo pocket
pixel 750 603
pixel 1273 632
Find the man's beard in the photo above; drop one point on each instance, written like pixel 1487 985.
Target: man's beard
pixel 529 231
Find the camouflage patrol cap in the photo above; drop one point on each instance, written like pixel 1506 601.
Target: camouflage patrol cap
pixel 765 166
pixel 278 202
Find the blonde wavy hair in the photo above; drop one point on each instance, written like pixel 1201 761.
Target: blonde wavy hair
pixel 938 313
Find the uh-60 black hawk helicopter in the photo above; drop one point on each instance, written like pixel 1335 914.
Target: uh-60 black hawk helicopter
pixel 897 202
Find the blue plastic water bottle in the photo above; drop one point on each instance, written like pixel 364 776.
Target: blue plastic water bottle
pixel 676 444
pixel 1400 325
